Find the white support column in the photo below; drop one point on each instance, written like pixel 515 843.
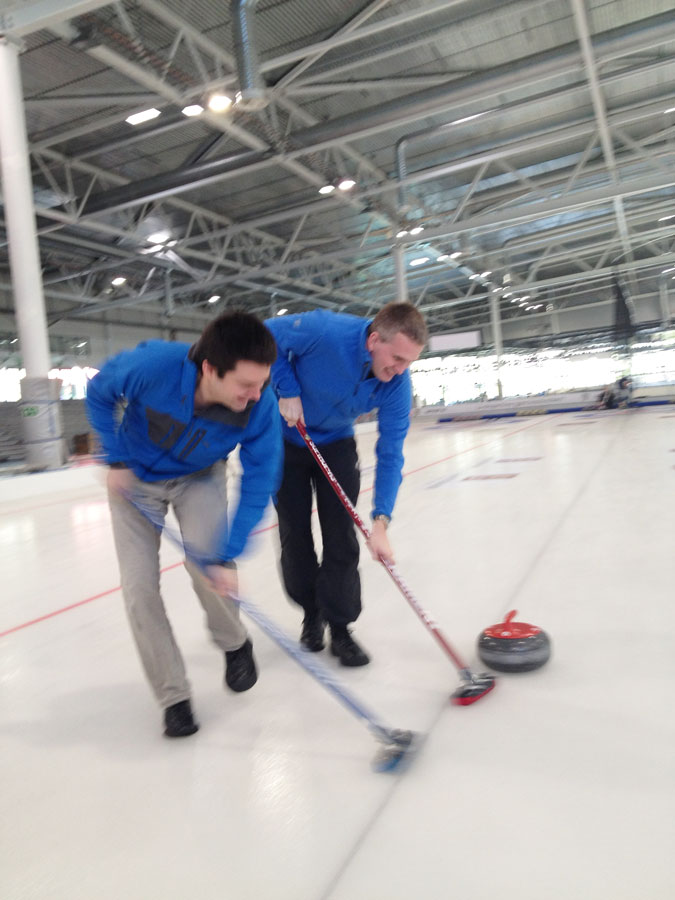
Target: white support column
pixel 39 405
pixel 496 321
pixel 555 321
pixel 400 274
pixel 664 302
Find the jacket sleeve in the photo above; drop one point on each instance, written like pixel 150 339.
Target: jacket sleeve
pixel 294 336
pixel 393 424
pixel 121 377
pixel 260 455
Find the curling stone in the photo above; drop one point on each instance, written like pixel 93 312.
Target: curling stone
pixel 514 646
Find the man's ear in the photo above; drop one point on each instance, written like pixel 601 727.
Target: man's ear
pixel 372 340
pixel 207 368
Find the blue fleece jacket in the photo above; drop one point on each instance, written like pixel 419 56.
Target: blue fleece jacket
pixel 161 436
pixel 322 358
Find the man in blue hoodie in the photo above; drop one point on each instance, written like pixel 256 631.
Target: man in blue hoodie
pixel 331 368
pixel 185 410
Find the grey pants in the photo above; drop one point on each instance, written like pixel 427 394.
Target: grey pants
pixel 200 504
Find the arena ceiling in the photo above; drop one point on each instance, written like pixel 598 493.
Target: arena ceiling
pixel 517 155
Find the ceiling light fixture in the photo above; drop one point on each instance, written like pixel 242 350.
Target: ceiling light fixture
pixel 282 312
pixel 346 184
pixel 219 102
pixel 118 281
pixel 143 116
pixel 418 229
pixel 456 254
pixel 419 261
pixel 194 109
pixel 442 257
pixel 401 233
pixel 158 237
pixel 327 189
pixel 214 298
pixel 666 218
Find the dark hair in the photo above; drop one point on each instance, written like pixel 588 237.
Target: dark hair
pixel 400 317
pixel 234 336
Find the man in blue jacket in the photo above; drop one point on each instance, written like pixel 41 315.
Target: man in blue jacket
pixel 331 368
pixel 186 409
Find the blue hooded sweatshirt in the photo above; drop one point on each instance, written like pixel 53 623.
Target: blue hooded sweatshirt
pixel 322 358
pixel 162 437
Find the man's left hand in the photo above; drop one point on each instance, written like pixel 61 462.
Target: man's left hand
pixel 378 544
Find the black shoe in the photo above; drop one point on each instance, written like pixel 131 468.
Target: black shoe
pixel 178 720
pixel 312 632
pixel 240 671
pixel 345 647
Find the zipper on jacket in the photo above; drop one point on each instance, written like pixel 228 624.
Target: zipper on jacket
pixel 192 443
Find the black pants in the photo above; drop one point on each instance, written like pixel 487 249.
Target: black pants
pixel 332 587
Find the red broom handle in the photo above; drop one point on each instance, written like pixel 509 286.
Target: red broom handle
pixel 396 578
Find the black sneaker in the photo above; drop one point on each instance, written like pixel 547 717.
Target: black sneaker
pixel 178 720
pixel 311 637
pixel 240 671
pixel 345 647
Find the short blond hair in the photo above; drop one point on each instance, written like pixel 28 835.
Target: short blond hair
pixel 403 318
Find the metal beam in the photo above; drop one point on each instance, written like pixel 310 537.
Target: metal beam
pixel 149 80
pixel 583 33
pixel 525 213
pixel 19 18
pixel 401 111
pixel 102 99
pixel 532 142
pixel 583 199
pixel 311 58
pixel 349 252
pixel 348 36
pixel 373 56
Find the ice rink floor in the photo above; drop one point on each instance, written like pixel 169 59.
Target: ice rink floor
pixel 557 785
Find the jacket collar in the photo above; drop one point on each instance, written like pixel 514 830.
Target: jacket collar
pixel 226 416
pixel 188 382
